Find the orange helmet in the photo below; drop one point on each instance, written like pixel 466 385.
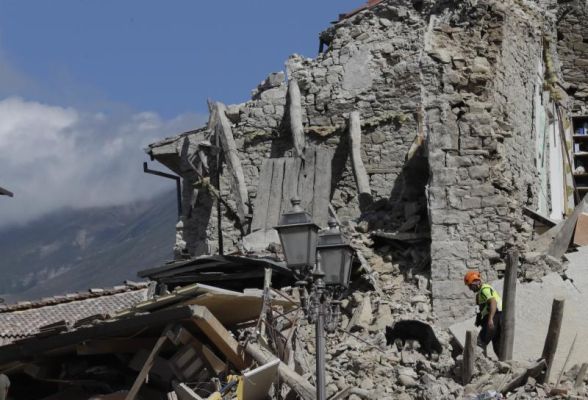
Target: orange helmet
pixel 470 277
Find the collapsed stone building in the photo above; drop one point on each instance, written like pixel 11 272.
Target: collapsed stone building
pixel 464 110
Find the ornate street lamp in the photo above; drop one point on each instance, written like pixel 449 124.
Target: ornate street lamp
pixel 299 238
pixel 336 255
pixel 298 235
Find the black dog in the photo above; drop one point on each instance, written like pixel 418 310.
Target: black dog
pixel 414 330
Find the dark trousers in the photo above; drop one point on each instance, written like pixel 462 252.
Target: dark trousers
pixel 485 336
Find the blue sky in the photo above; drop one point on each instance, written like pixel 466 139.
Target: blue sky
pixel 86 85
pixel 167 57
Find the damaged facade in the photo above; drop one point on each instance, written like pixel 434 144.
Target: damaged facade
pixel 463 109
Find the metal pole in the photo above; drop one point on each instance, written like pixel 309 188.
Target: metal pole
pixel 319 291
pixel 321 393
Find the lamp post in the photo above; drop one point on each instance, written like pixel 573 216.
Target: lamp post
pixel 331 257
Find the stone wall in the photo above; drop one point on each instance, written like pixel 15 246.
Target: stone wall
pixel 572 49
pixel 481 143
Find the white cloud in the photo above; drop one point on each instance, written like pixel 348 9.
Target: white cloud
pixel 53 157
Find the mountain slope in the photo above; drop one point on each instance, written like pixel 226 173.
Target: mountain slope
pixel 73 250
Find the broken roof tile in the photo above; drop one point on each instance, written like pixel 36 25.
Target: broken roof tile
pixel 27 318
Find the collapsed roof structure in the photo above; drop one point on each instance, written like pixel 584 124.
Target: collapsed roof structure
pixel 441 135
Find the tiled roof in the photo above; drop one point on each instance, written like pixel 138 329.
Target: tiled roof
pixel 26 318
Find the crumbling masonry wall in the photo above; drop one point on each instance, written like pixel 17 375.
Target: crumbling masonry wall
pixel 572 49
pixel 481 143
pixel 463 77
pixel 371 65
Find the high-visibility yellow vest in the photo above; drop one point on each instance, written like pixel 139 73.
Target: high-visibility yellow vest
pixel 486 293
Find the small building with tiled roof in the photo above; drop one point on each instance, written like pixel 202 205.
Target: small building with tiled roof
pixel 27 318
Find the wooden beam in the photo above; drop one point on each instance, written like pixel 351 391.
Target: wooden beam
pixel 565 365
pixel 563 238
pixel 580 377
pixel 520 379
pixel 275 194
pixel 295 111
pixel 322 187
pixel 538 217
pixel 552 338
pixel 263 196
pixel 147 366
pixel 409 237
pixel 186 363
pixel 297 383
pixel 469 356
pixel 361 177
pixel 223 129
pixel 181 336
pixel 306 179
pixel 508 306
pixel 219 335
pixel 4 192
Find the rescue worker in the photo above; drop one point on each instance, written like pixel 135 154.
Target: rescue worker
pixel 489 315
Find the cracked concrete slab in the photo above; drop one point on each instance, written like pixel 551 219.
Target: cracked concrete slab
pixel 533 309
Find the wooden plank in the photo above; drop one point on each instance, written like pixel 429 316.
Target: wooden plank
pixel 538 217
pixel 565 365
pixel 182 336
pixel 541 244
pixel 361 177
pixel 509 308
pixel 552 338
pixel 218 335
pixel 295 112
pixel 275 199
pixel 306 180
pixel 297 383
pixel 257 382
pixel 187 363
pixel 562 240
pixel 161 368
pixel 223 129
pixel 342 394
pixel 520 379
pixel 581 232
pixel 579 383
pixel 403 236
pixel 146 367
pixel 290 186
pixel 322 187
pixel 263 196
pixel 4 192
pixel 176 296
pixel 469 356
